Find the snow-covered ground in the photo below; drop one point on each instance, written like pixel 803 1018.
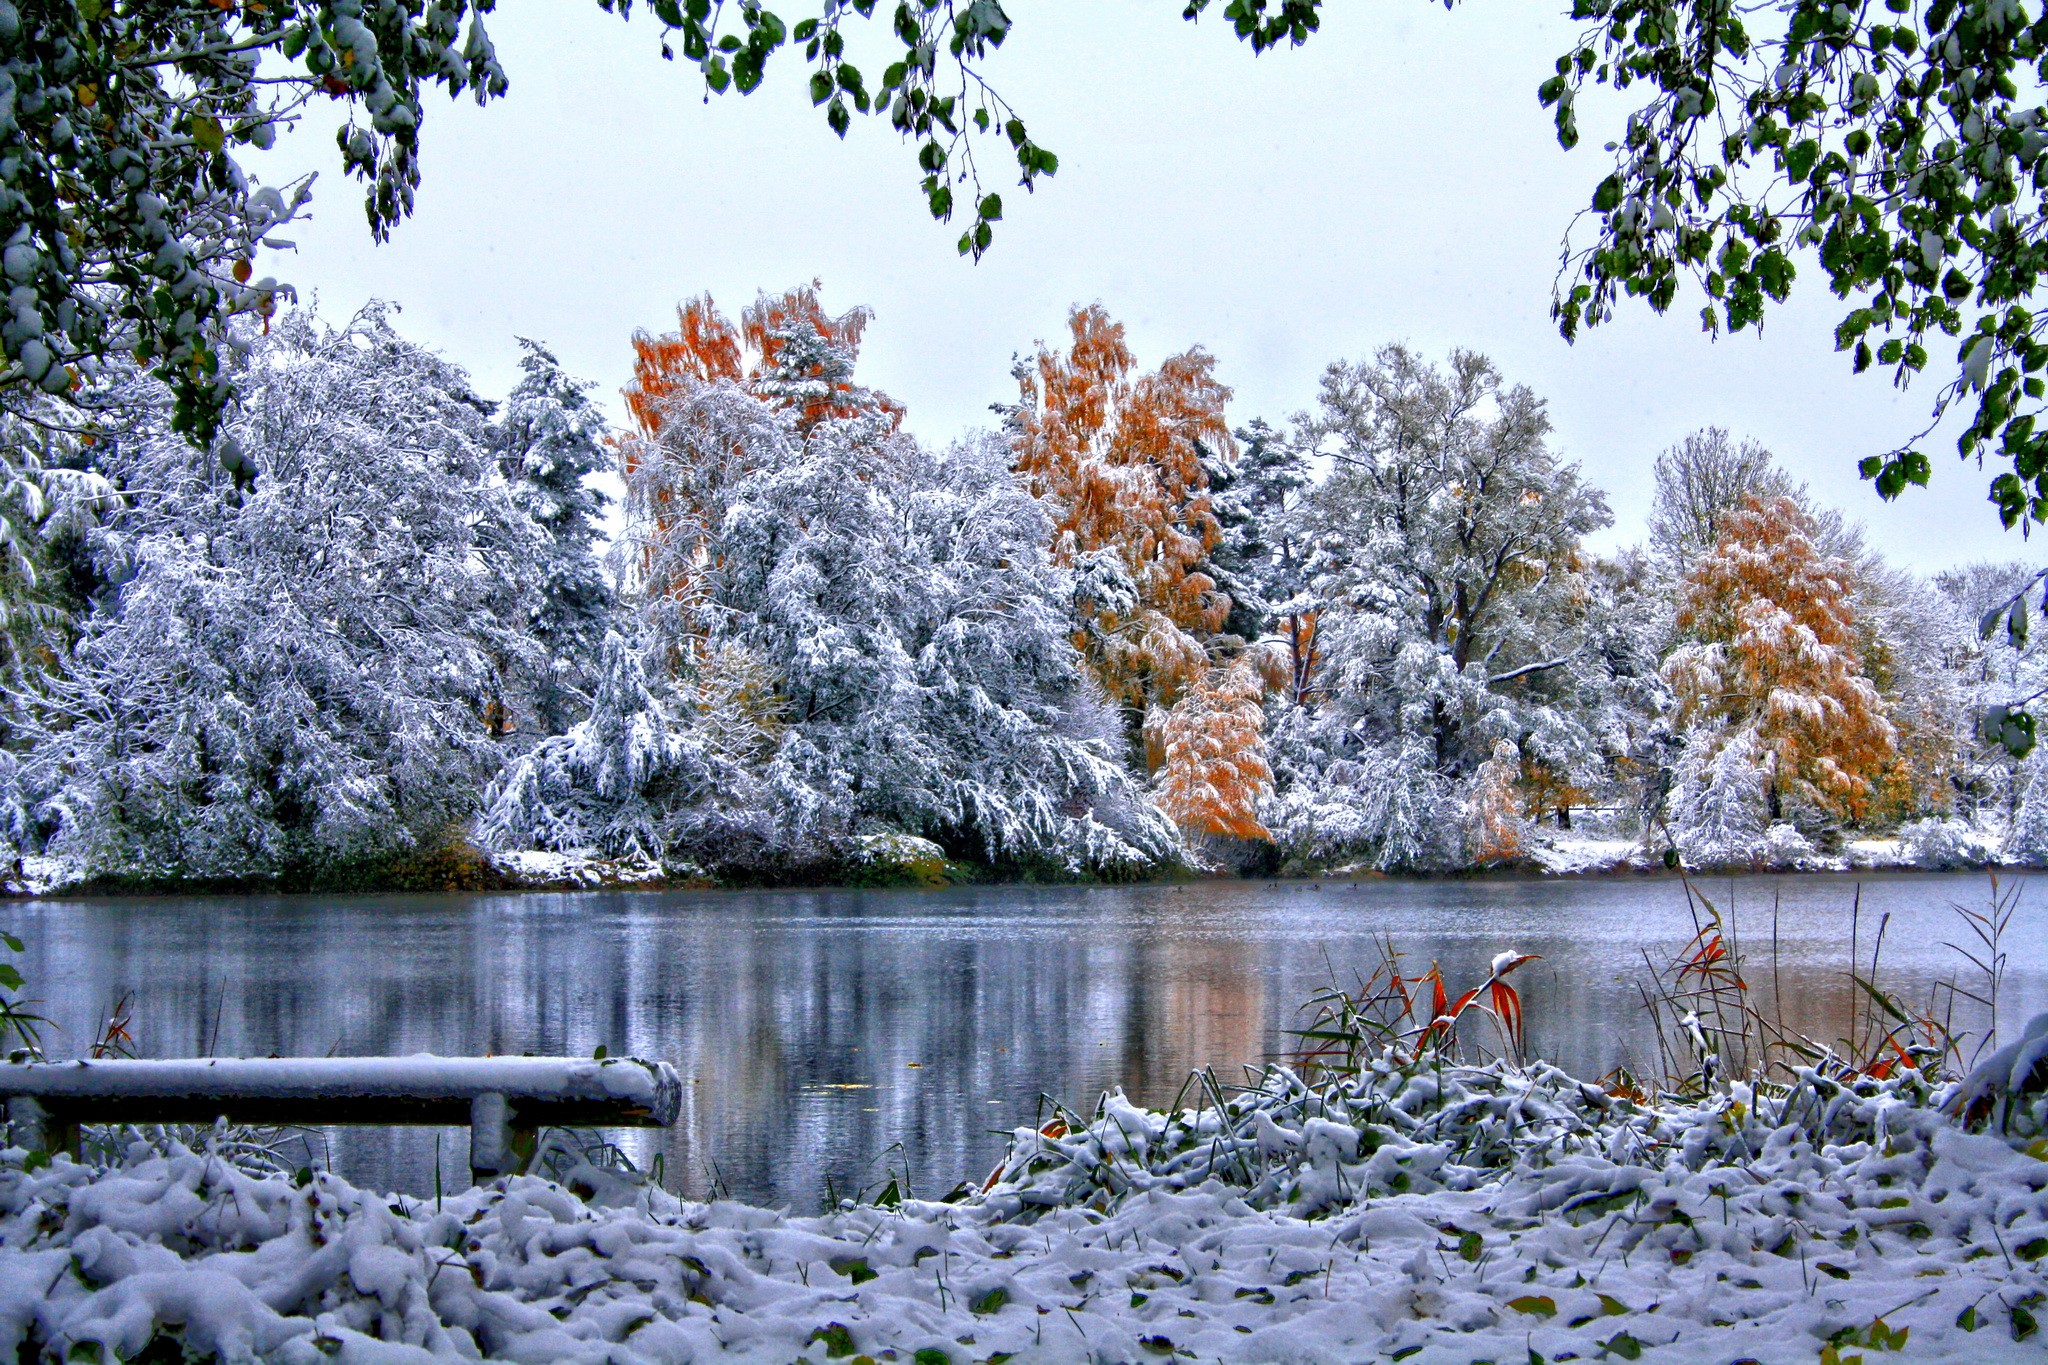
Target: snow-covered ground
pixel 1743 1227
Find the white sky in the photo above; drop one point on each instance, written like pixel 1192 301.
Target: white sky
pixel 1395 179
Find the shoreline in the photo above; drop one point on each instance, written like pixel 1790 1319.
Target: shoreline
pixel 510 884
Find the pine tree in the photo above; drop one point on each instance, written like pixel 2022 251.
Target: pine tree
pixel 1771 658
pixel 1119 460
pixel 549 440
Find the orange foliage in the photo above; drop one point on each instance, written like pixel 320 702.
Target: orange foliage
pixel 703 348
pixel 706 347
pixel 1118 459
pixel 1216 773
pixel 1775 653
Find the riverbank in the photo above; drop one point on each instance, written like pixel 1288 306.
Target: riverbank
pixel 901 862
pixel 1736 1228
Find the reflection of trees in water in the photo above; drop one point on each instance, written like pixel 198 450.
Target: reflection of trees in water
pixel 773 1004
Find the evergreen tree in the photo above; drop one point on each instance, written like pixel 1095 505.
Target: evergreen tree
pixel 1256 562
pixel 550 440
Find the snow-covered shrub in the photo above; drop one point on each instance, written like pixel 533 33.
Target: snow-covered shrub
pixel 1943 844
pixel 1782 845
pixel 316 633
pixel 638 779
pixel 1391 812
pixel 897 860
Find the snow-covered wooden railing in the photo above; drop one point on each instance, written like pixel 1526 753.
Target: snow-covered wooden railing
pixel 505 1101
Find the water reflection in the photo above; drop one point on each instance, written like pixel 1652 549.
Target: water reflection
pixel 824 1036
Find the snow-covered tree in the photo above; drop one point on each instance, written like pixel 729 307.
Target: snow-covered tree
pixel 1120 460
pixel 549 440
pixel 1698 482
pixel 1256 561
pixel 874 630
pixel 1718 804
pixel 1771 662
pixel 312 631
pixel 1455 603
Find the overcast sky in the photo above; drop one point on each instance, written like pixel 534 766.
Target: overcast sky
pixel 1395 179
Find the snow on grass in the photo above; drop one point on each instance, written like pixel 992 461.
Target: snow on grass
pixel 1423 1211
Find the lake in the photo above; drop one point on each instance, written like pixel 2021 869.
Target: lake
pixel 838 1035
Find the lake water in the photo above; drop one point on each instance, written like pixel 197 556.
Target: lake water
pixel 835 1035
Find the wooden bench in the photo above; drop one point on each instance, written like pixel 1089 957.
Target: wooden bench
pixel 505 1101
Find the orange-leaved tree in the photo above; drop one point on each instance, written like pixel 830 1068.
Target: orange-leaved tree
pixel 1771 655
pixel 1117 457
pixel 1215 772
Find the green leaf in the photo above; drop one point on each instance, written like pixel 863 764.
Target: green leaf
pixel 1623 1345
pixel 206 131
pixel 1830 1269
pixel 990 1302
pixel 838 1341
pixel 1611 1307
pixel 1470 1246
pixel 1541 1305
pixel 854 1268
pixel 1967 1319
pixel 9 977
pixel 1607 197
pixel 991 207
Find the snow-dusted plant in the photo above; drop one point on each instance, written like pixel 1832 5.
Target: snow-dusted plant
pixel 314 633
pixel 1782 845
pixel 2027 841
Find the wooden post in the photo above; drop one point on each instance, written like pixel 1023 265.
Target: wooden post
pixel 497 1145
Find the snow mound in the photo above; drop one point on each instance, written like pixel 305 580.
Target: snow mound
pixel 1437 1213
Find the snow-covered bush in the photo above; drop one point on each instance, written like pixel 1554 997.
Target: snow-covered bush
pixel 1389 811
pixel 1782 845
pixel 314 634
pixel 1943 845
pixel 638 779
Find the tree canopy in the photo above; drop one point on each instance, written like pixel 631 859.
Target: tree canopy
pixel 1898 146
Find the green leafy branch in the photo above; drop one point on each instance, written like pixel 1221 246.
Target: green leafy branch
pixel 932 93
pixel 1899 143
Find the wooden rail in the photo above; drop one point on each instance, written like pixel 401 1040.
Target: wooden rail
pixel 505 1101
